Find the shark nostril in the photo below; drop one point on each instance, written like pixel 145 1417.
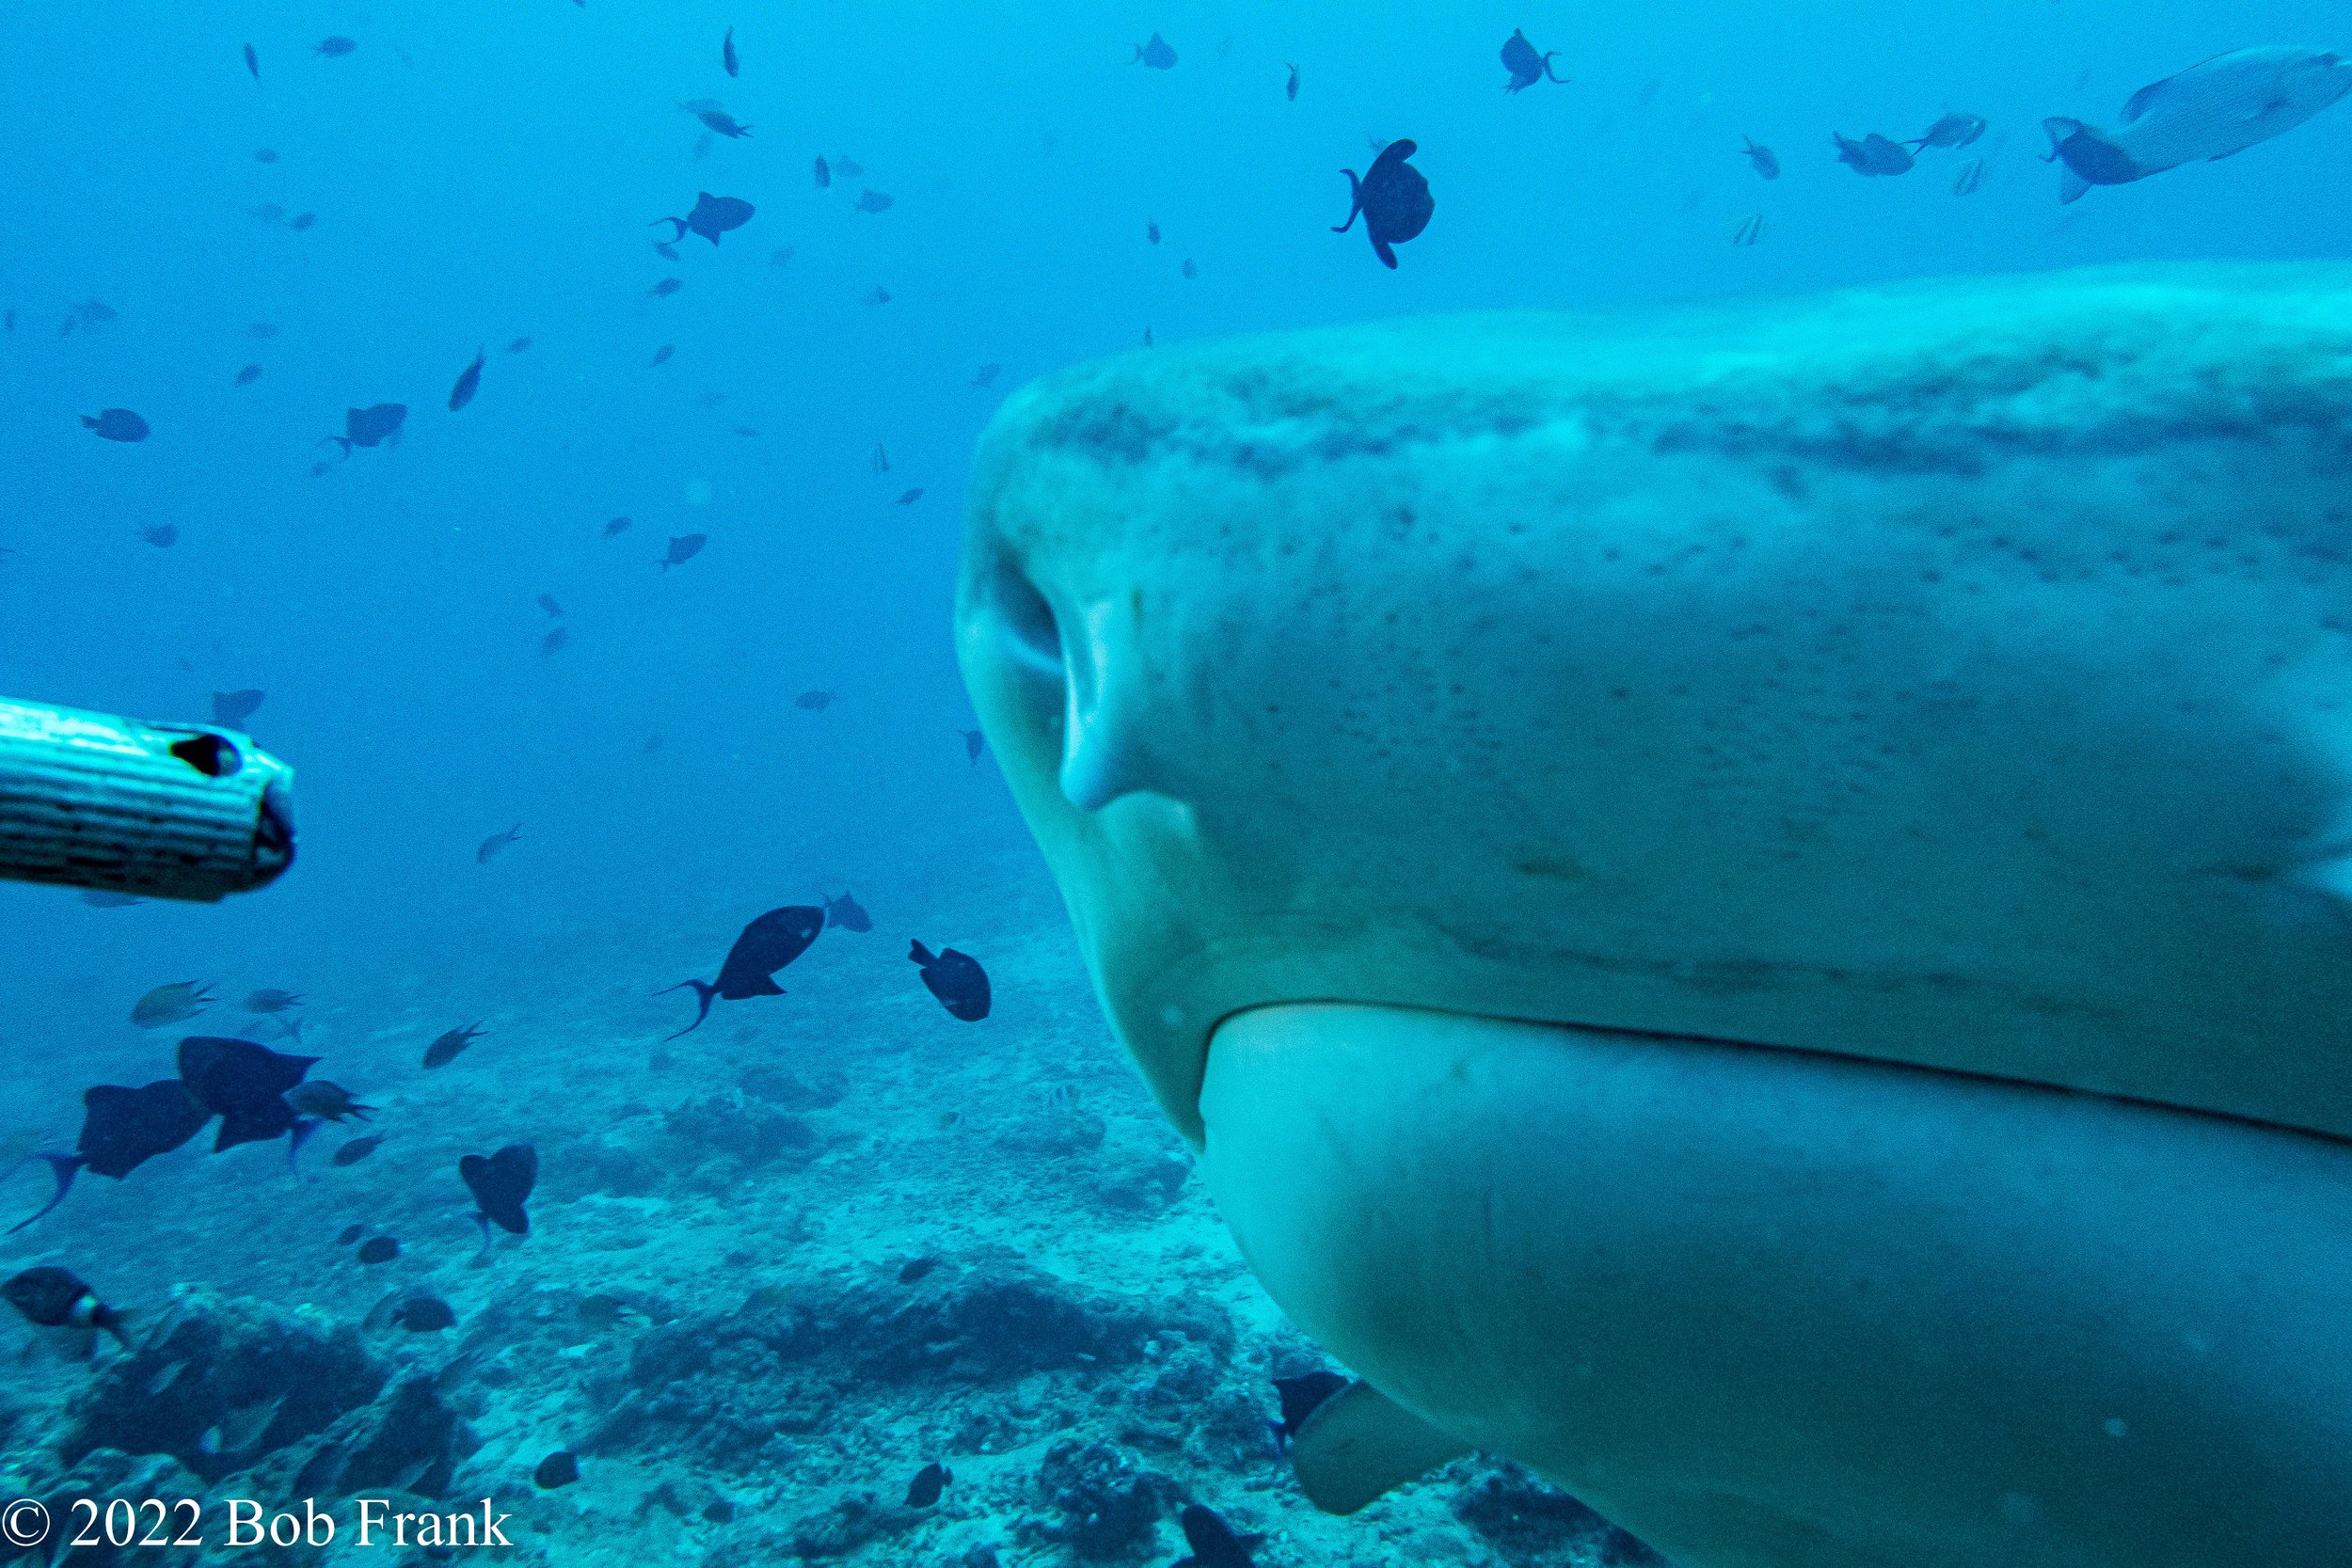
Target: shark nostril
pixel 1031 636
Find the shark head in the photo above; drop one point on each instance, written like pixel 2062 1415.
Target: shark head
pixel 1746 908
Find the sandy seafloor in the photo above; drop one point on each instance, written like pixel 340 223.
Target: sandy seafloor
pixel 708 1311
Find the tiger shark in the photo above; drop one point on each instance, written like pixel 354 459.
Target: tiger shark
pixel 1750 908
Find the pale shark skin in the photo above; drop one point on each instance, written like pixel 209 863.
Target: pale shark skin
pixel 1890 754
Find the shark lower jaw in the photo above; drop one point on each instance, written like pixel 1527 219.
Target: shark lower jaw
pixel 1772 1309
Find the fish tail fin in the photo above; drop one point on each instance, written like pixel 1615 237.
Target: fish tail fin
pixel 704 993
pixel 1354 201
pixel 2071 188
pixel 919 952
pixel 1562 80
pixel 65 1167
pixel 681 228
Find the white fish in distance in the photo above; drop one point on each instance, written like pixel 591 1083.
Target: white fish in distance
pixel 2209 111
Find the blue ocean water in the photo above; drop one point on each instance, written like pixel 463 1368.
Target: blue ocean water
pixel 1089 1355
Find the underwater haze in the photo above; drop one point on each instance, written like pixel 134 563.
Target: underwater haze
pixel 550 765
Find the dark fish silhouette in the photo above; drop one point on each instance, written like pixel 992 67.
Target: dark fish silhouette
pixel 1970 179
pixel 446 1049
pixel 1952 131
pixel 501 1184
pixel 1290 88
pixel 327 1100
pixel 1873 156
pixel 986 375
pixel 356 1149
pixel 263 155
pixel 378 424
pixel 378 1249
pixel 972 741
pixel 712 217
pixel 301 222
pixel 1394 199
pixel 1748 231
pixel 780 256
pixel 765 947
pixel 915 1269
pixel 880 295
pixel 558 1469
pixel 519 346
pixel 423 1314
pixel 1766 161
pixel 468 383
pixel 929 1481
pixel 956 978
pixel 349 1234
pixel 667 287
pixel 116 424
pixel 813 702
pixel 547 602
pixel 162 535
pixel 252 62
pixel 846 912
pixel 234 708
pixel 661 354
pixel 244 1084
pixel 683 548
pixel 848 169
pixel 123 1129
pixel 615 525
pixel 727 55
pixel 874 201
pixel 172 1004
pixel 51 1297
pixel 1213 1542
pixel 1151 233
pixel 824 174
pixel 879 462
pixel 724 124
pixel 1526 66
pixel 1302 1397
pixel 1155 54
pixel 911 496
pixel 554 642
pixel 495 842
pixel 249 375
pixel 271 1000
pixel 334 48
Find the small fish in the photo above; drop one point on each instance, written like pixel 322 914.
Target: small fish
pixel 468 382
pixel 986 375
pixel 249 375
pixel 683 548
pixel 172 1003
pixel 728 56
pixel 234 708
pixel 327 1100
pixel 664 250
pixel 1765 160
pixel 376 425
pixel 1952 131
pixel 490 846
pixel 813 702
pixel 1154 55
pixel 1970 179
pixel 1151 233
pixel 874 201
pixel 252 63
pixel 554 642
pixel 747 432
pixel 615 525
pixel 1748 231
pixel 116 424
pixel 848 169
pixel 51 1297
pixel 262 332
pixel 879 296
pixel 956 978
pixel 823 172
pixel 1525 66
pixel 558 1469
pixel 915 1269
pixel 879 462
pixel 1302 1397
pixel 1873 156
pixel 265 155
pixel 911 496
pixel 378 1249
pixel 972 742
pixel 166 1378
pixel 301 222
pixel 780 256
pixel 848 913
pixel 520 345
pixel 547 602
pixel 667 287
pixel 501 1184
pixel 355 1150
pixel 271 1000
pixel 1213 1542
pixel 349 1234
pixel 661 354
pixel 269 211
pixel 929 1481
pixel 763 947
pixel 1290 88
pixel 424 1314
pixel 1394 199
pixel 724 124
pixel 712 217
pixel 1191 268
pixel 162 535
pixel 98 899
pixel 334 48
pixel 446 1049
